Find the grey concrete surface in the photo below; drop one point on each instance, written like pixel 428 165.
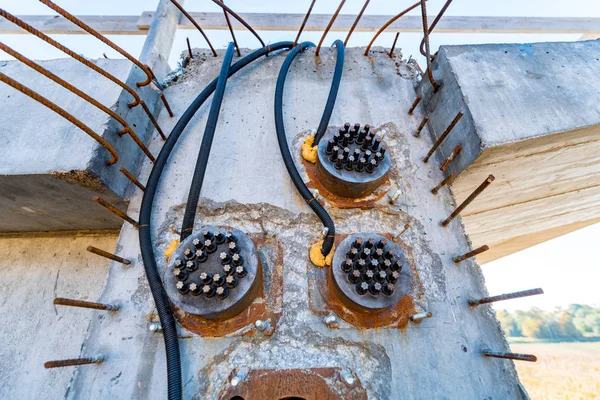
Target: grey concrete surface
pixel 511 93
pixel 37 145
pixel 246 186
pixel 33 272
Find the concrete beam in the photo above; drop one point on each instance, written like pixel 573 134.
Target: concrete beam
pixel 532 119
pixel 139 25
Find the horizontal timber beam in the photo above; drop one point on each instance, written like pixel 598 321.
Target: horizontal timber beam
pixel 139 25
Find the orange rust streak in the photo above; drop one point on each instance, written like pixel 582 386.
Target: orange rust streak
pixel 363 203
pixel 263 307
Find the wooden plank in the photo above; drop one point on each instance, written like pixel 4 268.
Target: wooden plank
pixel 56 24
pixel 139 25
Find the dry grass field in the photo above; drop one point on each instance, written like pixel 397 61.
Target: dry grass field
pixel 566 371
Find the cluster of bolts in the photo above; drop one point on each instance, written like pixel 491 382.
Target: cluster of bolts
pixel 371 267
pixel 355 149
pixel 210 285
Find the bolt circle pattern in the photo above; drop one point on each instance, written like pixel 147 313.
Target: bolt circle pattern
pixel 370 271
pixel 212 271
pixel 346 179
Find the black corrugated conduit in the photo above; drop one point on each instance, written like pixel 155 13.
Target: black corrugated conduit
pixel 287 157
pixel 158 292
pixel 209 133
pixel 333 91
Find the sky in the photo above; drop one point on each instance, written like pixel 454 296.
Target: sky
pixel 567 268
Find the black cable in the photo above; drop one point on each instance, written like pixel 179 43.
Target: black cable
pixel 158 292
pixel 287 156
pixel 189 215
pixel 333 91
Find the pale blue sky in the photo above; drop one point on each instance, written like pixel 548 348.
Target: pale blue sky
pixel 567 268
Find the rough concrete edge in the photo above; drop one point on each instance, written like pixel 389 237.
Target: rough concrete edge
pixel 447 49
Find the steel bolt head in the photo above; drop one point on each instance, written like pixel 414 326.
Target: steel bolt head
pixel 261 325
pixel 155 327
pixel 330 320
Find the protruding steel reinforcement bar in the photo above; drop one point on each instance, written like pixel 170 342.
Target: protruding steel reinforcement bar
pixel 132 179
pixel 442 183
pixel 102 38
pixel 85 304
pixel 472 253
pixel 87 63
pixel 33 65
pixel 74 361
pixel 358 17
pixel 415 104
pixel 426 38
pixel 233 13
pixel 235 43
pixel 391 21
pixel 331 21
pixel 506 296
pixel 312 4
pixel 39 98
pixel 116 211
pixel 187 39
pixel 421 126
pixel 510 356
pixel 108 255
pixel 443 136
pixel 191 19
pixel 420 316
pixel 394 44
pixel 450 157
pixel 433 24
pixel 469 199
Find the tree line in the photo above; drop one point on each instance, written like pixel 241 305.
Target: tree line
pixel 574 322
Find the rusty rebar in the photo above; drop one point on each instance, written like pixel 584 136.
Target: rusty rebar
pixel 167 106
pixel 420 70
pixel 442 183
pixel 397 235
pixel 414 104
pixel 230 11
pixel 472 253
pixel 116 211
pixel 33 65
pixel 443 136
pixel 450 157
pixel 506 296
pixel 132 179
pixel 137 99
pixel 237 48
pixel 108 255
pixel 358 17
pixel 187 39
pixel 510 356
pixel 426 38
pixel 74 361
pixel 469 199
pixel 331 21
pixel 394 44
pixel 69 117
pixel 388 23
pixel 312 4
pixel 421 126
pixel 191 19
pixel 433 24
pixel 85 304
pixel 102 38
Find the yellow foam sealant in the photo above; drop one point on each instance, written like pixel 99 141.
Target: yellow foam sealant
pixel 172 246
pixel 309 152
pixel 317 258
